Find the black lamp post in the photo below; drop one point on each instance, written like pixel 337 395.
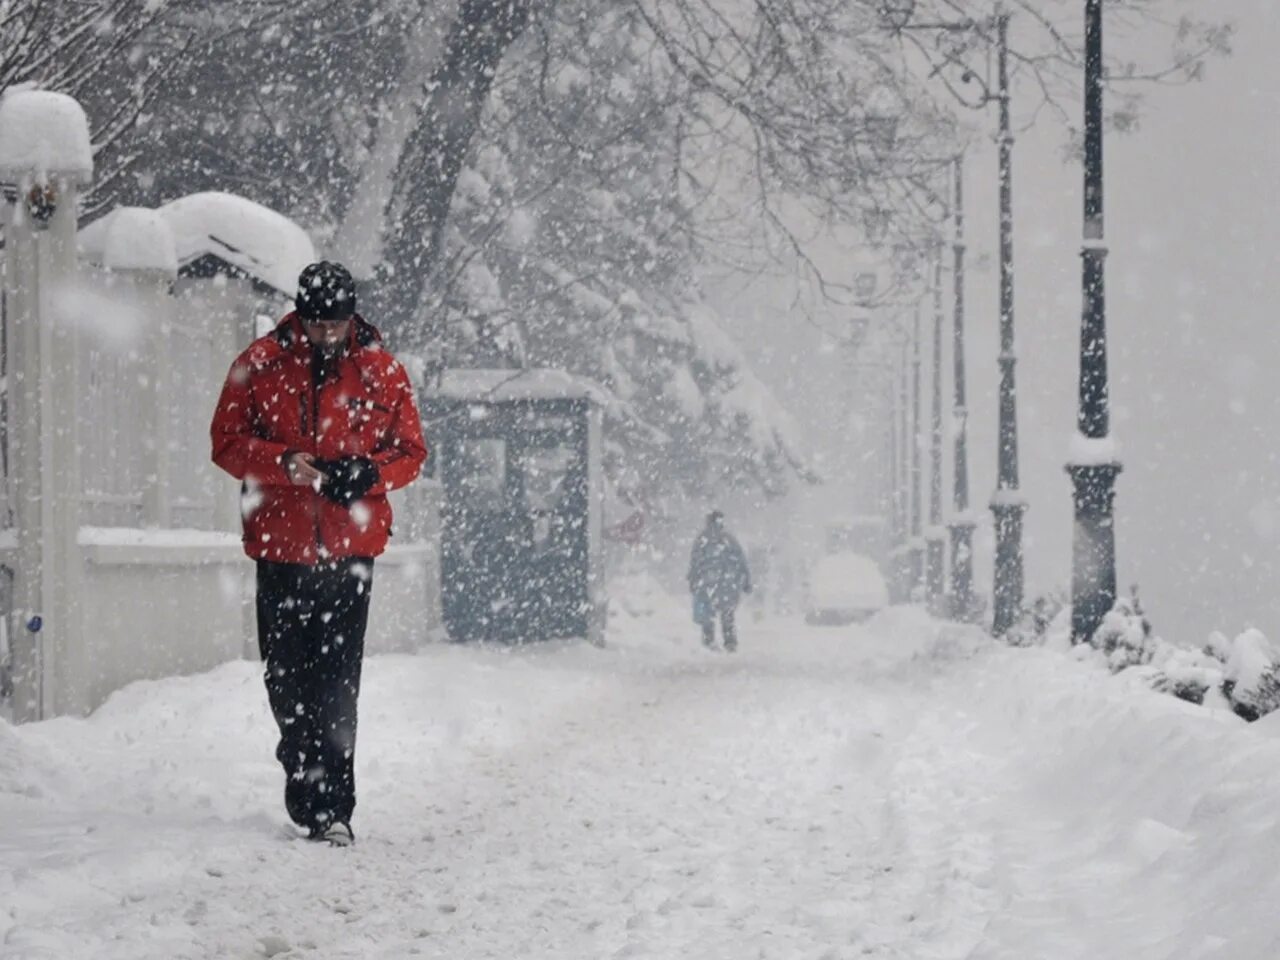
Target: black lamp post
pixel 1093 473
pixel 935 535
pixel 962 523
pixel 902 565
pixel 915 545
pixel 1007 504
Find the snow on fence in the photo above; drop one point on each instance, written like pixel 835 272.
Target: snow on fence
pixel 120 554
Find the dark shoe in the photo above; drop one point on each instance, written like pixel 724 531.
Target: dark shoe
pixel 296 797
pixel 336 834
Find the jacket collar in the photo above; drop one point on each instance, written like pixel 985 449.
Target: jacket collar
pixel 291 336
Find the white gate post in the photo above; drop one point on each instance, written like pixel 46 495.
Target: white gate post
pixel 45 157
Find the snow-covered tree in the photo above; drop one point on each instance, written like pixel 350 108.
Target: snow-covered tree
pixel 551 178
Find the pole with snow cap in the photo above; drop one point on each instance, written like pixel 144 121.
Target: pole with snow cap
pixel 45 158
pixel 1094 466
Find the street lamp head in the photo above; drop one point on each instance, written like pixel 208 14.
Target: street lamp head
pixel 896 14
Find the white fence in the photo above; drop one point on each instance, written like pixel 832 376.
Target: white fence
pixel 120 557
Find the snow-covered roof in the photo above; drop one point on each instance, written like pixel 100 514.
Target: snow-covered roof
pixel 45 135
pixel 499 385
pixel 137 238
pixel 264 244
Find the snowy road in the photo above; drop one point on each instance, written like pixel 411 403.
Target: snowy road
pixel 897 791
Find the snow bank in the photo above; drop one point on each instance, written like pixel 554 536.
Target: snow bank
pixel 906 789
pixel 22 770
pixel 1158 796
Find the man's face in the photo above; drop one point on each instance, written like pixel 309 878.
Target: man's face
pixel 329 337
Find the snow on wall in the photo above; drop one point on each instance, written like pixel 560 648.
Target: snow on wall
pixel 45 134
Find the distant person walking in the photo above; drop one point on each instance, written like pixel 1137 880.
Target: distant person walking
pixel 319 422
pixel 718 577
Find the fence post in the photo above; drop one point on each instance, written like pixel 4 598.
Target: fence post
pixel 45 158
pixel 140 254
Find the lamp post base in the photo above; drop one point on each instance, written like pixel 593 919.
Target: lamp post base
pixel 1093 553
pixel 963 607
pixel 1007 507
pixel 915 571
pixel 935 575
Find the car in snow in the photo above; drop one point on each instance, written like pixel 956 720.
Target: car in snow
pixel 844 588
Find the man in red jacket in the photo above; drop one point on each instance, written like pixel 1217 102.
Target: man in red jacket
pixel 318 421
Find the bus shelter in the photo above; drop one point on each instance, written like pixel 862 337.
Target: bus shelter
pixel 518 454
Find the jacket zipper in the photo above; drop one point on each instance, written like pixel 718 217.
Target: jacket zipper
pixel 315 449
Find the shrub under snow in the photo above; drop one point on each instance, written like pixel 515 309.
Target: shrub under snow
pixel 1251 683
pixel 1241 674
pixel 1125 636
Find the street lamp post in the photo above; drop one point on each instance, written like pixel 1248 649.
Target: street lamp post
pixel 898 368
pixel 935 535
pixel 915 546
pixel 1007 504
pixel 902 569
pixel 1094 469
pixel 962 523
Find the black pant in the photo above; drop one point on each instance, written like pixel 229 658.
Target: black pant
pixel 726 627
pixel 311 623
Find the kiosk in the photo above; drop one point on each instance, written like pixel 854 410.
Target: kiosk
pixel 518 454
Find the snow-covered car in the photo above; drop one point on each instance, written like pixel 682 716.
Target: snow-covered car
pixel 844 588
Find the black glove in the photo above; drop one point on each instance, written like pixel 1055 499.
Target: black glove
pixel 348 479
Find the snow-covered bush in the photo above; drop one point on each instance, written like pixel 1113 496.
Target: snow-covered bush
pixel 1251 681
pixel 1039 621
pixel 1187 674
pixel 1125 636
pixel 1242 675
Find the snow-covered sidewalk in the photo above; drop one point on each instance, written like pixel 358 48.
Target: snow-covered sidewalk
pixel 902 790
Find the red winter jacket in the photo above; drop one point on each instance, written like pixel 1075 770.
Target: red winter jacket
pixel 269 408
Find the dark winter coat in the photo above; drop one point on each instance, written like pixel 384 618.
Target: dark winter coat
pixel 272 407
pixel 718 572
